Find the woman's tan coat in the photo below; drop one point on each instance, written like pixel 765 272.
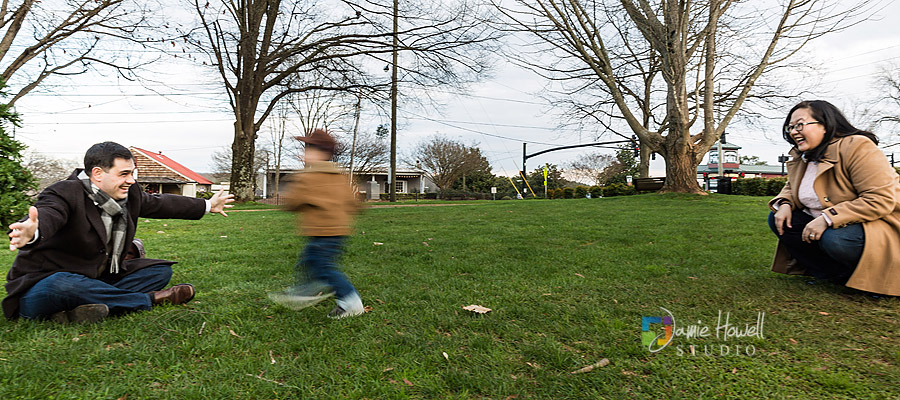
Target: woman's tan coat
pixel 855 184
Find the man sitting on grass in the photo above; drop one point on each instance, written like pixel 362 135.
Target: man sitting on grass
pixel 72 264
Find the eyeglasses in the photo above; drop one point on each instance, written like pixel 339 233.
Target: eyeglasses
pixel 798 126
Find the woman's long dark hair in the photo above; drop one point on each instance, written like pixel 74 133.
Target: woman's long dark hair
pixel 836 125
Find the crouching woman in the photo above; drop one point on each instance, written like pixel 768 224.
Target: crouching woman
pixel 838 216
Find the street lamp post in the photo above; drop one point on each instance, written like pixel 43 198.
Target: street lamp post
pixel 782 159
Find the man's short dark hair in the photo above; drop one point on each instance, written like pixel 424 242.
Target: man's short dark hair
pixel 104 155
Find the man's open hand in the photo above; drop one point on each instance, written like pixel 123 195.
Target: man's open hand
pixel 219 202
pixel 23 232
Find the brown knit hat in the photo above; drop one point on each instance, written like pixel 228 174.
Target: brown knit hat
pixel 319 139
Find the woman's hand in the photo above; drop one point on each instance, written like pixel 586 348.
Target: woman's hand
pixel 782 218
pixel 814 229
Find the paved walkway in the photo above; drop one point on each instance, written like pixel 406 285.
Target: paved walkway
pixel 372 206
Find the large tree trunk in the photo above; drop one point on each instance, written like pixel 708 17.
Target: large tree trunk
pixel 644 164
pixel 243 177
pixel 681 174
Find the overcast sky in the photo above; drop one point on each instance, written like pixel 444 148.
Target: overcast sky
pixel 190 119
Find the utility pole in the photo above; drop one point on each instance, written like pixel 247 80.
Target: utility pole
pixel 720 157
pixel 392 173
pixel 355 132
pixel 524 156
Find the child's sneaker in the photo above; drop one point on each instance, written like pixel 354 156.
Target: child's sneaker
pixel 347 307
pixel 300 297
pixel 338 312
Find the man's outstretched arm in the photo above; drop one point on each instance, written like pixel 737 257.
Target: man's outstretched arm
pixel 22 233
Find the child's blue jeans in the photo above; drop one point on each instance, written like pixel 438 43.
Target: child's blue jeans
pixel 318 263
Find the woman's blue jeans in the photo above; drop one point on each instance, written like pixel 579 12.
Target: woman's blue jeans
pixel 65 290
pixel 832 257
pixel 318 264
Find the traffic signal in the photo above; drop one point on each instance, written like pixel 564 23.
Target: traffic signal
pixel 742 174
pixel 637 151
pixel 722 139
pixel 706 175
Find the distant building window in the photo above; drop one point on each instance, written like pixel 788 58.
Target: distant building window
pixel 400 186
pixel 731 157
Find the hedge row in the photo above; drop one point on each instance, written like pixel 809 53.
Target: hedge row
pixel 758 186
pixel 614 189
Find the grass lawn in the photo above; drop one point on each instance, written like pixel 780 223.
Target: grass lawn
pixel 568 282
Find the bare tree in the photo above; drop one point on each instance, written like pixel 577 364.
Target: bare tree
pixel 370 153
pixel 265 50
pixel 277 135
pixel 889 100
pixel 260 47
pixel 589 167
pixel 67 37
pixel 445 160
pixel 709 55
pixel 48 170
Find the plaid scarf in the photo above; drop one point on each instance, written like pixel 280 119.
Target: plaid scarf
pixel 114 216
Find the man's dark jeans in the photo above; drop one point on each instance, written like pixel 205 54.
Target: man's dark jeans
pixel 64 291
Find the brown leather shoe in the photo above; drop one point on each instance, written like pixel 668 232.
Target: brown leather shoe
pixel 178 294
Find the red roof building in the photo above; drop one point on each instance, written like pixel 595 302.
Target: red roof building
pixel 157 173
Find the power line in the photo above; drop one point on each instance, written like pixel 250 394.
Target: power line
pixel 476 131
pixel 120 94
pixel 130 122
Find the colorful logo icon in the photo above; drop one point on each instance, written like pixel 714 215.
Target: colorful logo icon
pixel 651 337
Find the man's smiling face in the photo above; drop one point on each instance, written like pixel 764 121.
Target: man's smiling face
pixel 116 181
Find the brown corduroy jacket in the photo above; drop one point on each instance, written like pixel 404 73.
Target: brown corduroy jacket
pixel 855 184
pixel 322 196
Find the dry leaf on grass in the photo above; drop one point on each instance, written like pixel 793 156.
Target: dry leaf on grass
pixel 445 355
pixel 602 363
pixel 823 313
pixel 231 331
pixel 377 244
pixel 368 308
pixel 792 341
pixel 407 382
pixel 579 275
pixel 477 309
